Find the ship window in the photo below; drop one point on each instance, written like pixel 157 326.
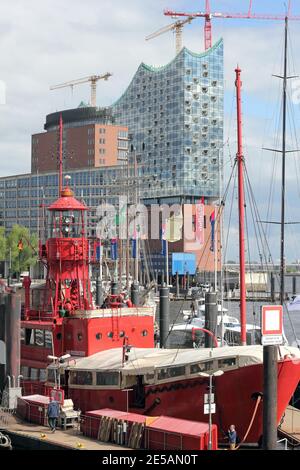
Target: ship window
pixel 110 334
pixel 201 367
pixel 81 377
pixel 29 336
pixel 58 336
pixel 34 373
pixel 43 375
pixel 171 372
pixel 51 375
pixel 144 333
pixel 79 336
pixel 122 334
pixel 48 339
pixel 98 336
pixel 39 337
pixel 25 372
pixel 22 335
pixel 107 378
pixel 228 362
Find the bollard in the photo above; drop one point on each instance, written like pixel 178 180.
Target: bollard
pixel 270 397
pixel 164 316
pixel 114 288
pixel 211 317
pixel 135 293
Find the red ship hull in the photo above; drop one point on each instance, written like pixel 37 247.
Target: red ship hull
pixel 235 395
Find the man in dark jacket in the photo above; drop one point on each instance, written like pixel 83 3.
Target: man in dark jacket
pixel 53 413
pixel 232 437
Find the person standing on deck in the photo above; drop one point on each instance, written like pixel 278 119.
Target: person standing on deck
pixel 232 436
pixel 53 413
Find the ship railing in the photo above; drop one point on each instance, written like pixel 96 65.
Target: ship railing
pixel 5 415
pixel 285 440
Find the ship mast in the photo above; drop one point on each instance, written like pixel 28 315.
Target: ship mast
pixel 241 197
pixel 60 156
pixel 282 253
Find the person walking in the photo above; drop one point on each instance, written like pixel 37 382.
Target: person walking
pixel 53 413
pixel 232 436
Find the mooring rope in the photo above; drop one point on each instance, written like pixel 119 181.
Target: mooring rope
pixel 251 423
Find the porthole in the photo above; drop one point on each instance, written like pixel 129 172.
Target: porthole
pixel 144 333
pixel 98 336
pixel 79 336
pixel 110 334
pixel 122 334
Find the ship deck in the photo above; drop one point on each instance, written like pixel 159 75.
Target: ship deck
pixel 32 436
pixel 290 426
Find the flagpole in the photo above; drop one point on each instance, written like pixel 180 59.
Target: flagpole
pixel 216 253
pixel 240 165
pixel 167 261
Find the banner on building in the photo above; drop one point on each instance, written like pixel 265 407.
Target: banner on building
pixel 199 222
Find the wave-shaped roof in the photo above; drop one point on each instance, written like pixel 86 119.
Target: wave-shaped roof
pixel 158 69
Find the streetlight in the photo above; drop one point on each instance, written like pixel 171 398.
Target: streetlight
pixel 210 402
pixel 58 361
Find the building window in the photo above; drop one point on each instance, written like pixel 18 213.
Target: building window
pixel 122 134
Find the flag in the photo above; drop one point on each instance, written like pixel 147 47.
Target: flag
pixel 199 222
pixel 163 240
pixel 294 304
pixel 20 245
pixel 212 224
pixel 98 251
pixel 114 248
pixel 133 248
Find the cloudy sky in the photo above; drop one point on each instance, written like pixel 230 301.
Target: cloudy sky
pixel 43 43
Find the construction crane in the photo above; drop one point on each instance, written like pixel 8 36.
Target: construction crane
pixel 176 28
pixel 93 81
pixel 208 15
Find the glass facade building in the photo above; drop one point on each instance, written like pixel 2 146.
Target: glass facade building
pixel 175 116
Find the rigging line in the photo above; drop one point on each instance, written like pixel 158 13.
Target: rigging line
pixel 248 249
pixel 277 275
pixel 256 229
pixel 260 251
pixel 292 122
pixel 274 166
pixel 220 210
pixel 230 214
pixel 207 241
pixel 219 213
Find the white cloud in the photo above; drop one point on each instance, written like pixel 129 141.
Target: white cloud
pixel 49 42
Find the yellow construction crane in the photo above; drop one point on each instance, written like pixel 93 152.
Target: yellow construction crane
pixel 93 81
pixel 176 28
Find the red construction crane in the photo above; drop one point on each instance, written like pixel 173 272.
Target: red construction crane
pixel 208 15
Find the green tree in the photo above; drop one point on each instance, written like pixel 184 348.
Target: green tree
pixel 2 244
pixel 22 259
